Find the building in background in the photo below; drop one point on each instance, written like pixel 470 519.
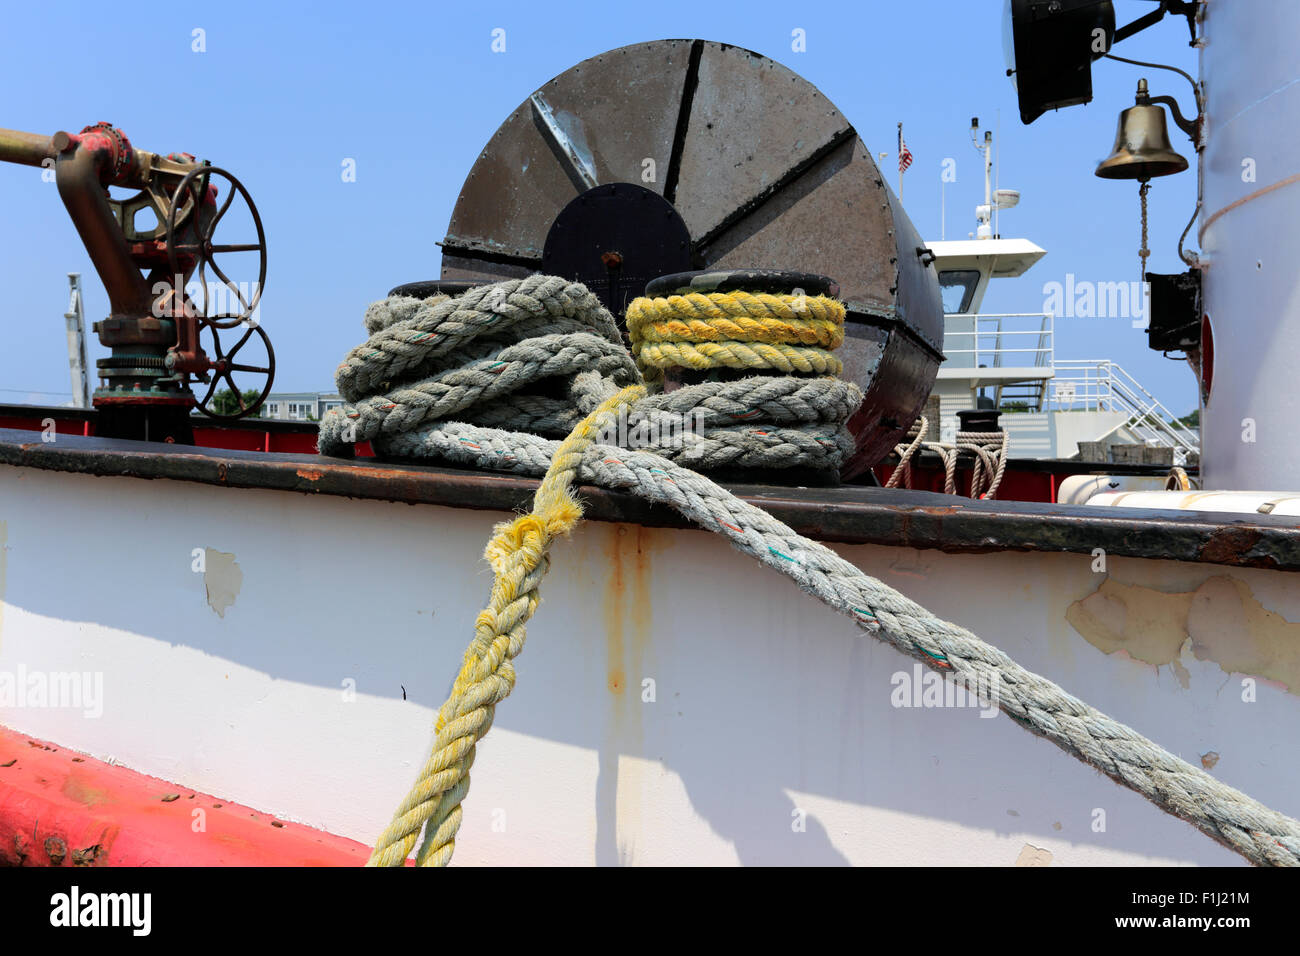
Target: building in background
pixel 300 406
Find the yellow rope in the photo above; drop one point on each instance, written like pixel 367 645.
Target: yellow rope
pixel 517 554
pixel 784 333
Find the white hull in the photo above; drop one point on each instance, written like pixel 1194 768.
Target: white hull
pixel 767 705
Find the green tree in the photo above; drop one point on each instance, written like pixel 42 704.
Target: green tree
pixel 225 403
pixel 1193 420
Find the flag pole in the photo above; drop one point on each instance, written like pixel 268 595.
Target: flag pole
pixel 943 209
pixel 900 163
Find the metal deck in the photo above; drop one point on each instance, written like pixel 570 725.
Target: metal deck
pixel 848 514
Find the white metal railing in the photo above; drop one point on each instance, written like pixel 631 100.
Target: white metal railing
pixel 1103 385
pixel 999 340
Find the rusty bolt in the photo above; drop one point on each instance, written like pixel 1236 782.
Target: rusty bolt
pixel 56 850
pixel 612 260
pixel 88 856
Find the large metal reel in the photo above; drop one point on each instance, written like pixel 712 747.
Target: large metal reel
pixel 688 154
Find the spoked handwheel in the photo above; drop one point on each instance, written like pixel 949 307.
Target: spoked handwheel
pixel 195 248
pixel 243 359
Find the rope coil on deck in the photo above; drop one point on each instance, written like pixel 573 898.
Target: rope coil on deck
pixel 793 413
pixel 989 450
pixel 526 354
pixel 517 553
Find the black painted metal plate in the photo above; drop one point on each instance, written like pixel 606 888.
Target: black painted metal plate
pixel 614 239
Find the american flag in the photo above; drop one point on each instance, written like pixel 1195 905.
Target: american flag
pixel 904 154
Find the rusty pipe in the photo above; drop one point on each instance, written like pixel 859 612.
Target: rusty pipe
pixel 84 165
pixel 26 149
pixel 79 177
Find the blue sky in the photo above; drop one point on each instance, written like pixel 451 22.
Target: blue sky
pixel 412 91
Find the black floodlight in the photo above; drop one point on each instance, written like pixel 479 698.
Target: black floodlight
pixel 1050 46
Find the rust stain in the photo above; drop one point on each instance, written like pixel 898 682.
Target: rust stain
pixel 1208 760
pixel 311 474
pixel 642 607
pixel 74 788
pixel 628 614
pixel 628 609
pixel 234 840
pixel 614 608
pixel 1229 545
pixel 56 850
pixel 1219 621
pixel 89 856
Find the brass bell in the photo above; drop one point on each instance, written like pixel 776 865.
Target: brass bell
pixel 1142 149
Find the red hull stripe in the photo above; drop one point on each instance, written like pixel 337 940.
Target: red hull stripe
pixel 62 808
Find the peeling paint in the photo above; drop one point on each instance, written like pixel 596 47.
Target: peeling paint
pixel 1208 760
pixel 1229 626
pixel 1034 856
pixel 1220 621
pixel 223 578
pixel 1148 625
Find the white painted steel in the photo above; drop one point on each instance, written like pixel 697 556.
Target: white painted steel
pixel 767 706
pixel 1252 286
pixel 1091 489
pixel 997 347
pixel 1227 502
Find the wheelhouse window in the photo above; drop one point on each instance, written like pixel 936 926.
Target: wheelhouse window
pixel 957 289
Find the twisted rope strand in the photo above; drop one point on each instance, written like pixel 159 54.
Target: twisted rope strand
pixel 786 333
pixel 517 553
